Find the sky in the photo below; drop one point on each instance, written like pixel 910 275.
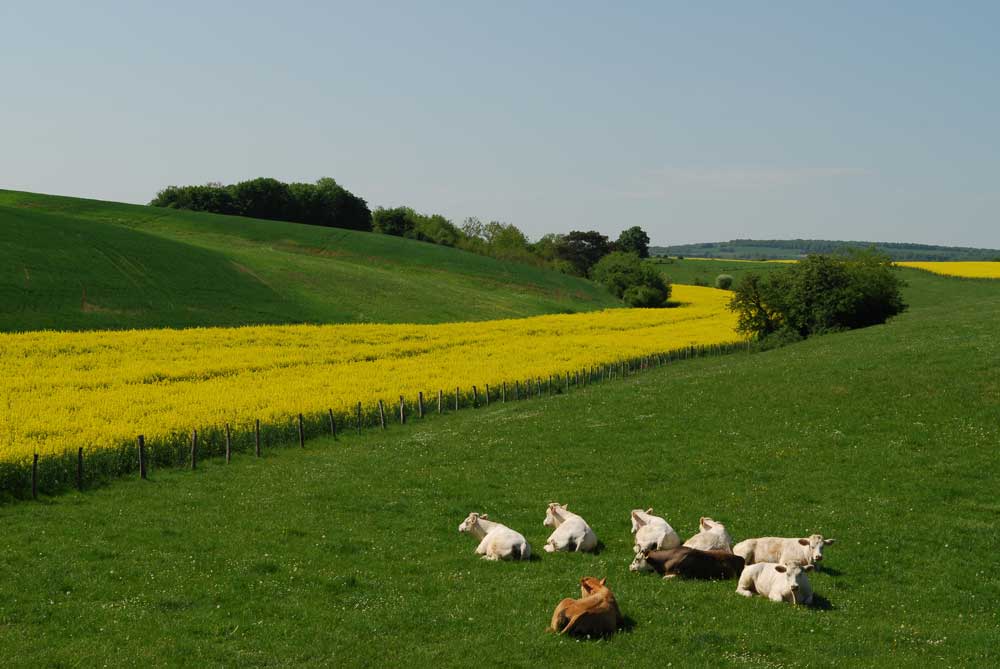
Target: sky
pixel 698 122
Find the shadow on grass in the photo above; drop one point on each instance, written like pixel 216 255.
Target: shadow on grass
pixel 821 603
pixel 830 571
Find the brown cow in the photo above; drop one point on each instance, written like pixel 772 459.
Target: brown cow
pixel 596 613
pixel 690 563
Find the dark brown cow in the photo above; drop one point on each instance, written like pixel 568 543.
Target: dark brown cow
pixel 689 563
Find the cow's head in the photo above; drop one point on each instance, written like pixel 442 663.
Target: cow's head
pixel 813 546
pixel 471 522
pixel 637 520
pixel 791 578
pixel 715 527
pixel 641 562
pixel 553 514
pixel 589 584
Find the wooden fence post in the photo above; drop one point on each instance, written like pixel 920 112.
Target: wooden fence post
pixel 229 444
pixel 333 424
pixel 381 414
pixel 456 398
pixel 194 449
pixel 359 417
pixel 487 394
pixel 567 381
pixel 256 437
pixel 475 398
pixel 302 433
pixel 420 404
pixel 440 400
pixel 517 390
pixel 79 469
pixel 503 393
pixel 34 478
pixel 142 456
pixel 402 410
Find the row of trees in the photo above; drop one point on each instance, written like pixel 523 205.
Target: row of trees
pixel 328 204
pixel 322 203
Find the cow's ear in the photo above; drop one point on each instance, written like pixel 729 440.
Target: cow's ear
pixel 827 542
pixel 604 580
pixel 485 516
pixel 649 510
pixel 803 542
pixel 780 569
pixel 808 567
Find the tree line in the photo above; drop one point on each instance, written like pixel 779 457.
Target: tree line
pixel 615 263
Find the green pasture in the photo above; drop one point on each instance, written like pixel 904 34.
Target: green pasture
pixel 74 264
pixel 346 553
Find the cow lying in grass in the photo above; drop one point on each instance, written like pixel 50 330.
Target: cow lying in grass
pixel 497 542
pixel 596 613
pixel 572 533
pixel 777 582
pixel 652 532
pixel 805 551
pixel 689 563
pixel 712 537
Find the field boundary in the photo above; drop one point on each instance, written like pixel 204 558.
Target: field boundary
pixel 84 468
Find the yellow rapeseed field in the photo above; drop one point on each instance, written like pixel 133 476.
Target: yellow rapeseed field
pixel 61 390
pixel 972 270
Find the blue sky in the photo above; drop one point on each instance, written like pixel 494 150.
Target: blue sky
pixel 697 121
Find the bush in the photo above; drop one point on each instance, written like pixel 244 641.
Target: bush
pixel 819 294
pixel 724 281
pixel 639 283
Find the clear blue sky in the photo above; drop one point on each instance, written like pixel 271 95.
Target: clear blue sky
pixel 697 121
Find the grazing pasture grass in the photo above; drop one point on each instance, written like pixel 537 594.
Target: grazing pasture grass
pixel 75 264
pixel 347 553
pixel 697 271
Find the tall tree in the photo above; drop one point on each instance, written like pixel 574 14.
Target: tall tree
pixel 582 250
pixel 633 240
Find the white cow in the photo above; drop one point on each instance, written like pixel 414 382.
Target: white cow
pixel 572 533
pixel 651 532
pixel 496 541
pixel 808 550
pixel 777 582
pixel 712 537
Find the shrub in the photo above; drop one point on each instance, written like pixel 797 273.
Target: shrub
pixel 724 281
pixel 639 283
pixel 819 294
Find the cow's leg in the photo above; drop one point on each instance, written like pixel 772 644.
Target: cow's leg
pixel 482 547
pixel 558 617
pixel 776 597
pixel 745 587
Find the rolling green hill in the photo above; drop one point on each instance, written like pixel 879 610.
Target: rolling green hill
pixel 345 553
pixel 71 264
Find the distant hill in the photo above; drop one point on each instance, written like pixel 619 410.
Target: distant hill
pixel 778 249
pixel 73 264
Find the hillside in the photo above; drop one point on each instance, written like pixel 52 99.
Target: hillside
pixel 883 438
pixel 73 264
pixel 777 249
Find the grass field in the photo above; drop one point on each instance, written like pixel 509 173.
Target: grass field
pixel 74 264
pixel 703 271
pixel 347 553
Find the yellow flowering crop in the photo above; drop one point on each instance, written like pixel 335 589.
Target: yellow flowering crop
pixel 971 269
pixel 61 390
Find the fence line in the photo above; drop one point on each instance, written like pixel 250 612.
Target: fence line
pixel 55 473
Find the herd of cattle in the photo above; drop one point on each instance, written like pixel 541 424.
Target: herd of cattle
pixel 771 567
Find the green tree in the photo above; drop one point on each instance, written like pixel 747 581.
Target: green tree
pixel 820 294
pixel 639 283
pixel 582 250
pixel 633 240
